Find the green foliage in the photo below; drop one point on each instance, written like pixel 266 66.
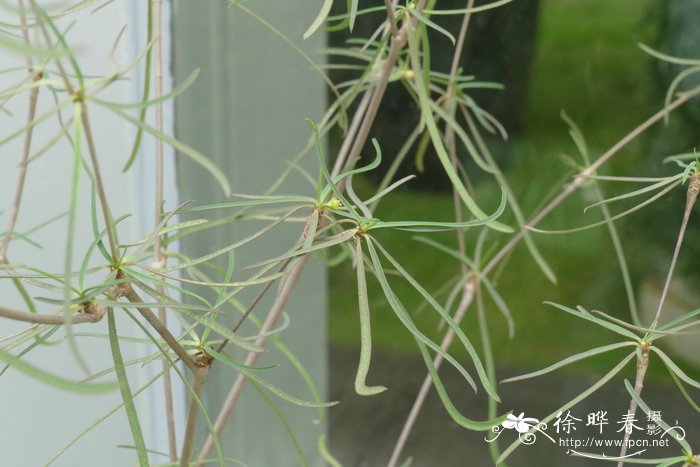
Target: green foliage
pixel 342 222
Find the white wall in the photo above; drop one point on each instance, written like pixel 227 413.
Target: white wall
pixel 39 420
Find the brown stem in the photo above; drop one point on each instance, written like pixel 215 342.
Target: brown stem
pixel 45 32
pixel 398 42
pixel 579 180
pixel 450 134
pixel 19 191
pixel 468 292
pixel 93 313
pixel 390 15
pixel 153 320
pixel 354 125
pixel 459 46
pixel 568 190
pixel 199 378
pixel 33 95
pixel 99 183
pixel 467 297
pixel 25 32
pixel 158 59
pixel 269 324
pixel 252 306
pixel 691 198
pixel 638 385
pixel 160 259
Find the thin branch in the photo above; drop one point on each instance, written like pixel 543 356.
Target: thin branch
pixel 253 304
pixel 99 184
pixel 580 179
pixel 25 33
pixel 269 324
pixel 352 130
pixel 468 290
pixel 153 320
pixel 199 378
pixel 158 50
pixel 31 114
pixel 160 259
pixel 503 252
pixel 19 191
pixel 450 134
pixel 691 198
pixel 40 21
pixel 390 15
pixel 642 366
pixel 459 46
pixel 467 297
pixel 398 41
pixel 92 314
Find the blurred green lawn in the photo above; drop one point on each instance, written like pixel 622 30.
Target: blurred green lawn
pixel 587 63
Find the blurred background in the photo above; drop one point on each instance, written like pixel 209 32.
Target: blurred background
pixel 577 56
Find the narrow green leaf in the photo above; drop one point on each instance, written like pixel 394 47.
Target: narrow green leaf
pixel 672 367
pixel 500 304
pixel 38 340
pixel 182 87
pixel 514 205
pixel 70 237
pixel 325 453
pixel 146 88
pixel 197 400
pixel 95 227
pixel 464 138
pixel 252 202
pixel 668 58
pixel 353 13
pixel 230 248
pixel 342 237
pixel 488 385
pixel 125 390
pixel 57 381
pixel 23 237
pixel 683 391
pixel 615 217
pixel 37 120
pixel 660 422
pixel 219 328
pixel 88 254
pixel 62 41
pixel 322 163
pixel 283 420
pixel 475 9
pixel 436 138
pixel 589 317
pixel 431 24
pixel 91 427
pixel 196 156
pixel 365 328
pixel 680 319
pixel 225 359
pixel 436 226
pixel 590 390
pixel 322 15
pixel 571 359
pixel 638 192
pixel 405 318
pixel 445 398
